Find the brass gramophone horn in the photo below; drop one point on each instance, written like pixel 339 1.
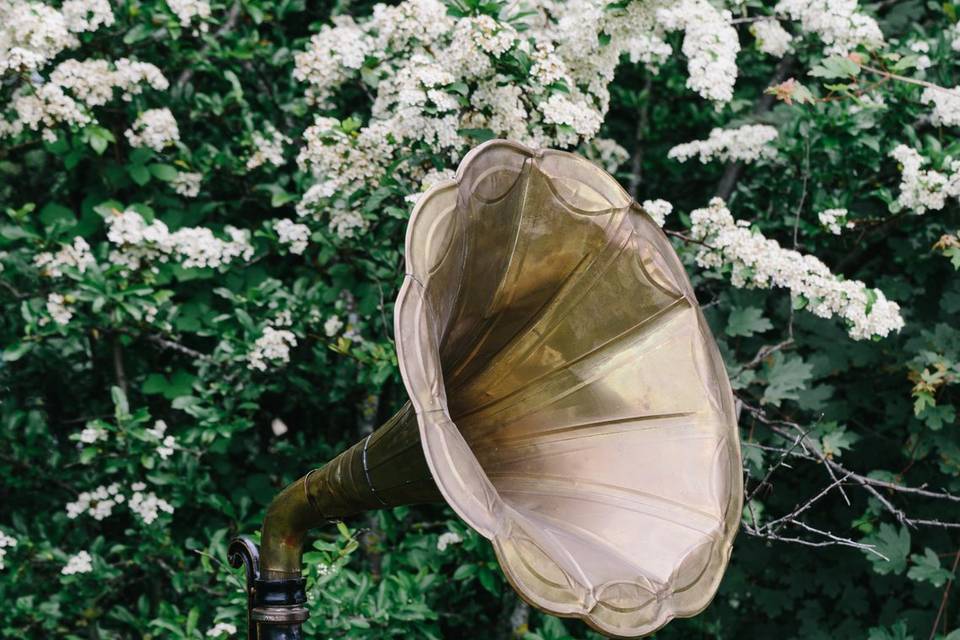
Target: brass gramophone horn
pixel 567 400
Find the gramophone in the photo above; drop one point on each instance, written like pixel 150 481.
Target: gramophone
pixel 567 400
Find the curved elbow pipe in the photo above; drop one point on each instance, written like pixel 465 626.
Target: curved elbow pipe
pixel 385 469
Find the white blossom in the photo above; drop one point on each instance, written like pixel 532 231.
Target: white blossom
pixel 273 347
pixel 448 538
pixel 75 255
pixel 278 427
pixel 267 148
pixel 345 223
pixel 771 37
pixel 187 183
pixel 93 82
pixel 98 503
pixel 78 563
pixel 138 241
pixel 921 48
pixel 924 189
pixel 834 220
pixel 744 144
pixel 658 210
pixel 148 506
pixel 292 234
pixel 6 542
pixel 92 434
pixel 154 128
pixel 839 24
pixel 946 105
pixel 166 443
pixel 332 326
pixel 58 309
pixel 710 43
pixel 221 629
pixel 757 261
pixel 188 10
pixel 607 153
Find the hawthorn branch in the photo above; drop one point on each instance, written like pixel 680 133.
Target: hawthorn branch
pixel 810 450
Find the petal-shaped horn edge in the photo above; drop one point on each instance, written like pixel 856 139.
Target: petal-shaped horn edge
pixel 572 405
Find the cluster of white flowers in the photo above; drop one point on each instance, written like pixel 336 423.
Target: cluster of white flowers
pixel 840 24
pixel 744 144
pixel 332 326
pixel 221 629
pixel 146 504
pixel 75 255
pixel 58 309
pixel 346 222
pixel 834 220
pixel 710 44
pixel 273 347
pixel 187 10
pixel 166 443
pixel 448 538
pixel 187 183
pixel 155 129
pixel 78 563
pixel 267 148
pixel 435 75
pixel 98 503
pixel 293 234
pixel 757 261
pixel 138 242
pixel 607 153
pixel 6 542
pixel 93 81
pixel 32 34
pixel 92 433
pixel 921 48
pixel 771 37
pixel 946 105
pixel 924 189
pixel 658 210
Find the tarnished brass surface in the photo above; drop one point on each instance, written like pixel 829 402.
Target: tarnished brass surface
pixel 572 403
pixel 385 469
pixel 565 394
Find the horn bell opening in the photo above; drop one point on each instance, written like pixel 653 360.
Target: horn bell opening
pixel 572 404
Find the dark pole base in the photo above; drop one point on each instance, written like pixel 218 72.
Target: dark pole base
pixel 275 608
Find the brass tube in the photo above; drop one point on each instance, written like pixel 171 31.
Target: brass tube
pixel 357 480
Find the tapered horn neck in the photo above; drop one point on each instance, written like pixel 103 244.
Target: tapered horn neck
pixel 385 469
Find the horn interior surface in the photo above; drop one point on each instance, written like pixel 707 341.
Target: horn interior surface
pixel 572 403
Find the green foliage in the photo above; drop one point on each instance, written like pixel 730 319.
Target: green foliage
pixel 82 400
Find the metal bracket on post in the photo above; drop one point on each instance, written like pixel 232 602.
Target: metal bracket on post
pixel 243 552
pixel 275 608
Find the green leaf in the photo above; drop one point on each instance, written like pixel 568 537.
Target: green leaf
pixel 927 568
pixel 836 441
pixel 892 543
pixel 139 174
pixel 480 135
pixel 747 321
pixel 52 212
pixel 786 377
pixel 16 351
pixel 121 406
pixel 897 632
pixel 164 172
pixel 835 67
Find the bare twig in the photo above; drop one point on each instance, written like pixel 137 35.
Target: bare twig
pixel 946 594
pixel 810 450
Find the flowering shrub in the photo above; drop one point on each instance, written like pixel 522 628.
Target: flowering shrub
pixel 204 206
